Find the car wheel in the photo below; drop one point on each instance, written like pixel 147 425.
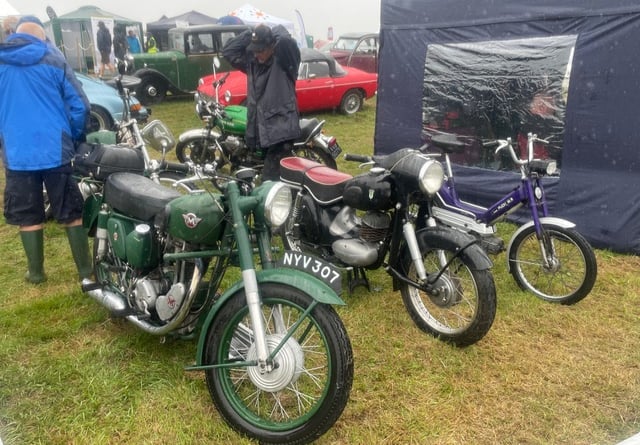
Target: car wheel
pixel 351 102
pixel 99 119
pixel 151 91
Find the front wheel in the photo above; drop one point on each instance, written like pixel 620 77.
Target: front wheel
pixel 195 150
pixel 461 306
pixel 570 269
pixel 306 390
pixel 151 91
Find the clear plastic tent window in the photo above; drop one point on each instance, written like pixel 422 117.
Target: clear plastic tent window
pixel 497 89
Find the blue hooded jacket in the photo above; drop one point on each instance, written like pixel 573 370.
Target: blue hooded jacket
pixel 43 109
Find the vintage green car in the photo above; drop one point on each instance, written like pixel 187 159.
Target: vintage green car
pixel 188 58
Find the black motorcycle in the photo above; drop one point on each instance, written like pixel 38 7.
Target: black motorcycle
pixel 371 220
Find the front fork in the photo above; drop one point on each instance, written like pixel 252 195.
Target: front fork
pixel 254 302
pixel 536 194
pixel 409 233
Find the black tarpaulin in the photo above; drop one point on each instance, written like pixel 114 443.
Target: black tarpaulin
pixel 567 70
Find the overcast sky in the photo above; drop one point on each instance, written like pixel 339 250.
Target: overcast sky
pixel 318 15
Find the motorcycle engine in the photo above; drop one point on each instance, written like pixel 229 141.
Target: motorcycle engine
pixel 147 298
pixel 361 237
pixel 233 144
pixel 375 226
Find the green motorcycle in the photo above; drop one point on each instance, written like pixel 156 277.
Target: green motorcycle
pixel 277 358
pixel 221 141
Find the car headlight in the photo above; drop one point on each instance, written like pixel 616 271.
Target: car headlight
pixel 278 204
pixel 227 96
pixel 431 177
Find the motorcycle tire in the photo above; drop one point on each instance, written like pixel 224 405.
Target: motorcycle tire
pixel 572 269
pixel 306 393
pixel 462 310
pixel 195 150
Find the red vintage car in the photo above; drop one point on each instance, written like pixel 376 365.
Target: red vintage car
pixel 323 84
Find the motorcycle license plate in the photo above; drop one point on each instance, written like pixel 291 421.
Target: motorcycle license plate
pixel 335 150
pixel 320 269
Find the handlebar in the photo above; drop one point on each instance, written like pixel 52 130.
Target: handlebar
pixel 508 145
pixel 176 166
pixel 357 158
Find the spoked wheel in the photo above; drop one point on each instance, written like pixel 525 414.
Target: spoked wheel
pixel 569 272
pixel 195 150
pixel 461 308
pixel 306 390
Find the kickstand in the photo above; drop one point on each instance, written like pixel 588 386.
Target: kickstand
pixel 356 276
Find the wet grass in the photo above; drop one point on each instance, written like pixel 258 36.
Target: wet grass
pixel 544 374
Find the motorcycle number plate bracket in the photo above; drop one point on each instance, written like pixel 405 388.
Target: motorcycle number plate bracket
pixel 315 266
pixel 335 150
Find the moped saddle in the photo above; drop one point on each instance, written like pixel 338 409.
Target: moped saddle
pixel 448 143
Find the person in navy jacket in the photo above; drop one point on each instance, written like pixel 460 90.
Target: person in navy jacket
pixel 43 116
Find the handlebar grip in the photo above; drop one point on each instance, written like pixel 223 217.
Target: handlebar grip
pixel 356 157
pixel 176 166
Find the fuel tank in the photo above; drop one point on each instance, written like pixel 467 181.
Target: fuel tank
pixel 197 218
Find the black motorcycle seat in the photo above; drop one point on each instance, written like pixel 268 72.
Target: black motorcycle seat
pixel 389 161
pixel 307 126
pixel 137 196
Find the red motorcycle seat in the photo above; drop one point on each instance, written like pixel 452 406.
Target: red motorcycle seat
pixel 325 184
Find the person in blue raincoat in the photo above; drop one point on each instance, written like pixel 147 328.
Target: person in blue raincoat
pixel 43 116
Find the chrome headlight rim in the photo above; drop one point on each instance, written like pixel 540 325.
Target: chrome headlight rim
pixel 277 204
pixel 431 177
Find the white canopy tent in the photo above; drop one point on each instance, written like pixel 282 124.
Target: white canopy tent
pixel 252 16
pixel 7 9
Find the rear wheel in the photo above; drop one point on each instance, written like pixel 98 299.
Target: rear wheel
pixel 352 102
pixel 307 389
pixel 569 273
pixel 315 154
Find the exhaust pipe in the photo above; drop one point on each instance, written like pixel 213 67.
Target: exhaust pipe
pixel 112 301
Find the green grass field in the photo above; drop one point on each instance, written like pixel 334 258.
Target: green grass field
pixel 544 374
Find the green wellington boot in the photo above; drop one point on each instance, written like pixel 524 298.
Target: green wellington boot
pixel 79 243
pixel 33 243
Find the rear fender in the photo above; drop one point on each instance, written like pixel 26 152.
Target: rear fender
pixel 312 286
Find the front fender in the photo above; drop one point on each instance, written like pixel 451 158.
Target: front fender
pixel 309 284
pixel 551 220
pixel 453 240
pixel 144 73
pixel 197 133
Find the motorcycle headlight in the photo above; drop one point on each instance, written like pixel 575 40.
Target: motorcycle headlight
pixel 277 204
pixel 431 177
pixel 158 136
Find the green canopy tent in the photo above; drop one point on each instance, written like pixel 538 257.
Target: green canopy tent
pixel 73 33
